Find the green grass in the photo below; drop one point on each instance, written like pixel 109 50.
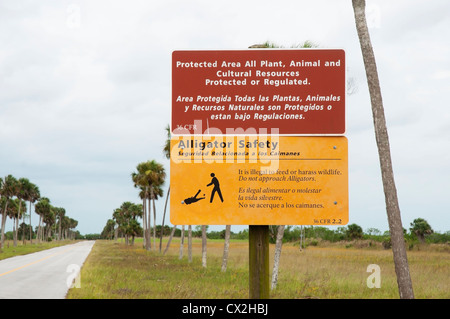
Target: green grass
pixel 22 249
pixel 114 270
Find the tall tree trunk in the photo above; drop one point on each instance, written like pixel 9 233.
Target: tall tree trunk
pixel 164 217
pixel 60 230
pixel 226 248
pixel 144 222
pixel 154 224
pixel 149 224
pixel 2 236
pixel 170 239
pixel 2 239
pixel 41 226
pixel 16 231
pixel 301 238
pixel 190 243
pixel 204 246
pixel 23 235
pixel 31 228
pixel 276 263
pixel 181 243
pixel 38 235
pixel 393 211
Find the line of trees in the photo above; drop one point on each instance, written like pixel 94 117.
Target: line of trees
pixel 419 232
pixel 53 222
pixel 124 223
pixel 149 177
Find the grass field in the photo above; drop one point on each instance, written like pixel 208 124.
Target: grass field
pixel 114 270
pixel 22 249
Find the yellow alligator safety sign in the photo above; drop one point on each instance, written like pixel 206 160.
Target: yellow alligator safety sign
pixel 259 180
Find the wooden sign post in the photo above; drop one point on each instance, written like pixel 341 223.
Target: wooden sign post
pixel 259 262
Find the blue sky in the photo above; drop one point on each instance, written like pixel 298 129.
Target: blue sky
pixel 85 93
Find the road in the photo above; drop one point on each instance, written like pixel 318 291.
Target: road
pixel 46 274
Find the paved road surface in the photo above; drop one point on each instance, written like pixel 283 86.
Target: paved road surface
pixel 43 275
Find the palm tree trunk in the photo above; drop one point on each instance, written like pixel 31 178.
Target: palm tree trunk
pixel 4 215
pixel 204 246
pixel 276 263
pixel 393 211
pixel 154 224
pixel 59 230
pixel 23 235
pixel 190 243
pixel 38 235
pixel 226 248
pixel 144 223
pixel 301 238
pixel 31 228
pixel 181 243
pixel 149 223
pixel 2 239
pixel 164 217
pixel 17 223
pixel 170 239
pixel 16 231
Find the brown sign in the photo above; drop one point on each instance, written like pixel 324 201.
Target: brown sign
pixel 253 92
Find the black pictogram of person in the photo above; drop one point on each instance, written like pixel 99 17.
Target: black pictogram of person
pixel 216 188
pixel 193 199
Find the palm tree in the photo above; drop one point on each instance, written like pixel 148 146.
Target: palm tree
pixel 130 226
pixel 354 231
pixel 33 195
pixel 392 207
pixel 59 213
pixel 15 208
pixel 139 179
pixel 421 228
pixel 149 177
pixel 23 189
pixel 42 208
pixel 49 219
pixel 108 230
pixel 8 190
pixel 72 225
pixel 125 217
